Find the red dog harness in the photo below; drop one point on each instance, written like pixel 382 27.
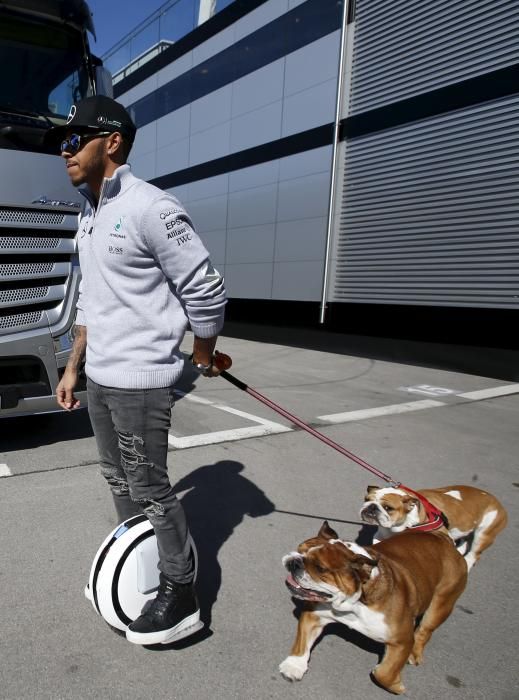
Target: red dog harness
pixel 435 518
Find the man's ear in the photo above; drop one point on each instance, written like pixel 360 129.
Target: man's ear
pixel 326 532
pixel 115 145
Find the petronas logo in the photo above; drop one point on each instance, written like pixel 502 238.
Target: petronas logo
pixel 118 226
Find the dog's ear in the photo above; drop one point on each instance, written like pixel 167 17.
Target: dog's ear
pixel 410 502
pixel 371 489
pixel 326 532
pixel 363 566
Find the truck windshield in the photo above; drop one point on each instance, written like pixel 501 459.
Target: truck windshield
pixel 43 73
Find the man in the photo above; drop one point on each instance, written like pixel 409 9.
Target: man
pixel 145 277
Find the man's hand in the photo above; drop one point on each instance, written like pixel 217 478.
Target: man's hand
pixel 205 354
pixel 65 390
pixel 221 362
pixel 213 371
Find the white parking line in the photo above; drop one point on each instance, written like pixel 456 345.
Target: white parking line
pixel 265 427
pixel 380 411
pixel 4 470
pixel 491 393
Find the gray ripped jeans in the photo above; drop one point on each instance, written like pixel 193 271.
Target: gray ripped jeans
pixel 131 430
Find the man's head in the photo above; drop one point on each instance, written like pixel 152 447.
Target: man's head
pixel 96 139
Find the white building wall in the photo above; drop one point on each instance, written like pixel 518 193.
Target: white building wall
pixel 264 225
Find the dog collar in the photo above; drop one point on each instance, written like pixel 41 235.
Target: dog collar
pixel 435 518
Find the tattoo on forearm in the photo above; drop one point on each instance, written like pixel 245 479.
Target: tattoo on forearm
pixel 77 352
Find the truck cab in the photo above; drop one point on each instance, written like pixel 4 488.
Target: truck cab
pixel 47 66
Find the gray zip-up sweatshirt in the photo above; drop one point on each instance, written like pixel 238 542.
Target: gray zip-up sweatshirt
pixel 145 276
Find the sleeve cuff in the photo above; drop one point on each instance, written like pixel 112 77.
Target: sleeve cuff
pixel 206 330
pixel 80 318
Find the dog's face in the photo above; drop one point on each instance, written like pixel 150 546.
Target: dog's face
pixel 390 508
pixel 327 570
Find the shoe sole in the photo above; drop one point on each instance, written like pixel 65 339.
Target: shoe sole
pixel 186 627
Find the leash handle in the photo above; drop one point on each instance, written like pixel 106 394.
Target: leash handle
pixel 297 421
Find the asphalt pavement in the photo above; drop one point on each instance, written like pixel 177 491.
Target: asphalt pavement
pixel 254 486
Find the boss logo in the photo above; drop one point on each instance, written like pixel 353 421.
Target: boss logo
pixel 115 250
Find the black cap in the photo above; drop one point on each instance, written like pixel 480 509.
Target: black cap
pixel 98 113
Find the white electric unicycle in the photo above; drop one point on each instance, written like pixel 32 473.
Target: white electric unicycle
pixel 125 574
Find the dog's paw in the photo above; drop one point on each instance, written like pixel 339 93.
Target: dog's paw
pixel 471 560
pixel 293 668
pixel 396 687
pixel 415 659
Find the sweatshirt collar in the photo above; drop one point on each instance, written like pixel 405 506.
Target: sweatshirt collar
pixel 112 187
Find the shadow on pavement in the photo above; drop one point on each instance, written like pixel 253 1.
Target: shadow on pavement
pixel 499 363
pixel 347 634
pixel 29 432
pixel 217 499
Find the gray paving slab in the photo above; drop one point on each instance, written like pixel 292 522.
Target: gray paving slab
pixel 249 502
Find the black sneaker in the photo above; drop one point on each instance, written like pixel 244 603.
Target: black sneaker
pixel 172 615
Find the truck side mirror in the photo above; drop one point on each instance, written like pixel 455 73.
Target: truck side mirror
pixel 103 79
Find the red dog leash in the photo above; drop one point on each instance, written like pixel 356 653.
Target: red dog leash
pixel 435 518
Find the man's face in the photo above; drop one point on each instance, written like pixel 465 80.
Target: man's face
pixel 86 159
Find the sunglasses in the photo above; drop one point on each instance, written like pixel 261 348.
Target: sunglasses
pixel 74 142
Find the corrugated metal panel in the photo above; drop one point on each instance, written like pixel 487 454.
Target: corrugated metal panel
pixel 430 212
pixel 407 47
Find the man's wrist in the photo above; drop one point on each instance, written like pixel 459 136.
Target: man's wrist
pixel 201 366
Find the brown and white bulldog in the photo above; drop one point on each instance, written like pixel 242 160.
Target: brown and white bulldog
pixel 380 591
pixel 474 517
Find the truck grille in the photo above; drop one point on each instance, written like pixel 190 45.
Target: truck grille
pixel 13 215
pixel 11 296
pixel 27 242
pixel 37 257
pixel 31 319
pixel 20 270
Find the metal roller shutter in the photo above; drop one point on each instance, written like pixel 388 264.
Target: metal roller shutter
pixel 427 212
pixel 430 212
pixel 406 47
